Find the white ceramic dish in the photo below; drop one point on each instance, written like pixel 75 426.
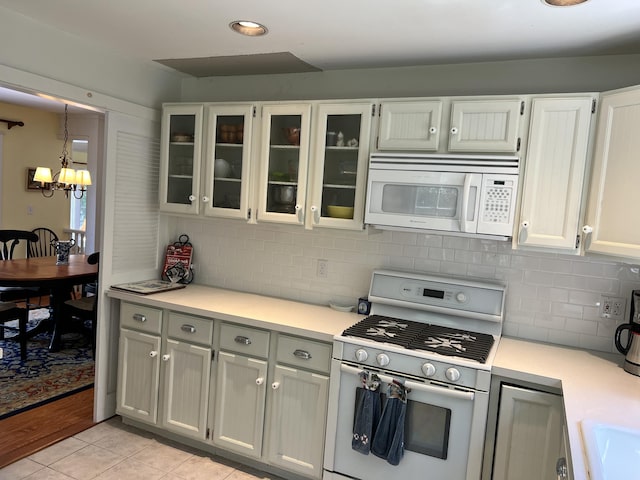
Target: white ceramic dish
pixel 342 308
pixel 613 451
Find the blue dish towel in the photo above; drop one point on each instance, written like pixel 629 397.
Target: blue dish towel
pixel 367 412
pixel 388 442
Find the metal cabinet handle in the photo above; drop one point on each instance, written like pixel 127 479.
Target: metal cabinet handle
pixel 454 130
pixel 153 354
pixel 138 317
pixel 587 229
pixel 299 213
pixel 302 354
pixel 316 214
pixel 259 381
pixel 275 385
pixel 561 469
pixel 433 130
pixel 188 328
pixel 205 199
pixel 166 357
pixel 525 224
pixel 242 340
pixel 192 198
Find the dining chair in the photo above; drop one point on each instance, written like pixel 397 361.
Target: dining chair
pixel 10 311
pixel 9 240
pixel 85 308
pixel 42 247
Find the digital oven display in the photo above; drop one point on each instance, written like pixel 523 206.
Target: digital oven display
pixel 433 293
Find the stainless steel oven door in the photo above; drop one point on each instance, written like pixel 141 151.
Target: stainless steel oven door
pixel 444 431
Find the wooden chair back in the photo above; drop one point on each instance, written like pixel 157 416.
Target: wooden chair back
pixel 42 247
pixel 9 239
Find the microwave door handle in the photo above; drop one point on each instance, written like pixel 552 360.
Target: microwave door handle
pixel 465 202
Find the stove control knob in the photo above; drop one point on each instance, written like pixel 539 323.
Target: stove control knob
pixel 361 355
pixel 382 359
pixel 429 369
pixel 452 374
pixel 461 297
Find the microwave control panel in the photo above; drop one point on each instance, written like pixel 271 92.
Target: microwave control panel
pixel 497 204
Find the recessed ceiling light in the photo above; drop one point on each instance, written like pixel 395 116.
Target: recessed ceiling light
pixel 562 3
pixel 246 27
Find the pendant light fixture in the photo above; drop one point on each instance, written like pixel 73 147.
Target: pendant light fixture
pixel 67 179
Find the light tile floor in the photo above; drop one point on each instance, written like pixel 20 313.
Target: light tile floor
pixel 114 451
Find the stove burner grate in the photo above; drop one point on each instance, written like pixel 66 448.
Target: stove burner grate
pixel 421 336
pixel 453 342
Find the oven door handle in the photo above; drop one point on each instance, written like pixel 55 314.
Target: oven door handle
pixel 442 391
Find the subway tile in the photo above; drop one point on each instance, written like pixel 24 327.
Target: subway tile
pixel 585 327
pixel 566 310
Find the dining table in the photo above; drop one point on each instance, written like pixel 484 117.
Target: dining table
pixel 59 280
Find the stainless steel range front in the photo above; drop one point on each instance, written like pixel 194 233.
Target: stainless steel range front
pixel 409 386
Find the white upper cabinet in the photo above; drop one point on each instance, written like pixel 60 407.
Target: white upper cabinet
pixel 180 156
pixel 484 124
pixel 613 192
pixel 284 160
pixel 411 125
pixel 228 161
pixel 490 125
pixel 554 172
pixel 338 170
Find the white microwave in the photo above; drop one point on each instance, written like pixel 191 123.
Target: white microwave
pixel 458 194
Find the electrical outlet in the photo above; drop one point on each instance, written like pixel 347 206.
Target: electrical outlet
pixel 323 268
pixel 612 307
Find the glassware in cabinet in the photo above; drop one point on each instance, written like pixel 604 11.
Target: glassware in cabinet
pixel 284 158
pixel 228 161
pixel 340 155
pixel 180 153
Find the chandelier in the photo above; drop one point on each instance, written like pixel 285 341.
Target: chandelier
pixel 67 179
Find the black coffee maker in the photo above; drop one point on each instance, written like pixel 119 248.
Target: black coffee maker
pixel 631 349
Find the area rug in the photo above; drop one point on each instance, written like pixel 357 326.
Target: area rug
pixel 44 376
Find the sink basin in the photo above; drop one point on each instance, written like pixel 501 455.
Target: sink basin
pixel 613 451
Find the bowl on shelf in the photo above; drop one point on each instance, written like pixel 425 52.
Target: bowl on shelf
pixel 181 137
pixel 221 168
pixel 292 134
pixel 337 211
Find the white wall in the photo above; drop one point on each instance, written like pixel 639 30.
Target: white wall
pixel 38 49
pixel 550 297
pixel 555 75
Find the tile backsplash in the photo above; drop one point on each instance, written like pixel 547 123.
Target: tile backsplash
pixel 550 297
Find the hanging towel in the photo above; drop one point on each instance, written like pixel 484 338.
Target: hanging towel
pixel 388 442
pixel 367 413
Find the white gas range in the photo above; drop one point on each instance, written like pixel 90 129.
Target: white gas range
pixel 428 344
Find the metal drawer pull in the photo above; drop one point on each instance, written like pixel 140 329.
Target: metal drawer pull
pixel 302 354
pixel 242 340
pixel 275 385
pixel 153 353
pixel 139 317
pixel 188 328
pixel 259 381
pixel 166 357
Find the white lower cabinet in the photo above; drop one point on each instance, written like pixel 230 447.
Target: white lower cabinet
pixel 268 400
pixel 163 373
pixel 529 435
pixel 240 403
pixel 299 407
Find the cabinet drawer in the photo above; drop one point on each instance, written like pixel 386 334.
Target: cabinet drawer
pixel 246 340
pixel 189 328
pixel 303 353
pixel 141 317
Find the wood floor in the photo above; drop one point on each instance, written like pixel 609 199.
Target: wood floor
pixel 30 431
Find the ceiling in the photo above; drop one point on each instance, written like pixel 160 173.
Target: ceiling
pixel 194 36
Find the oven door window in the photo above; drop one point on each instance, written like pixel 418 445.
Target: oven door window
pixel 427 429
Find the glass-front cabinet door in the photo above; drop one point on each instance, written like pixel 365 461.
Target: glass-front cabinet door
pixel 180 152
pixel 226 189
pixel 337 180
pixel 284 156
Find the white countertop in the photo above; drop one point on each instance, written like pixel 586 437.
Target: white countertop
pixel 312 321
pixel 594 386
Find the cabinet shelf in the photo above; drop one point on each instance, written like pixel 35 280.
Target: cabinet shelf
pixel 342 149
pixel 230 180
pixel 229 145
pixel 337 185
pixel 285 147
pixel 184 144
pixel 182 177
